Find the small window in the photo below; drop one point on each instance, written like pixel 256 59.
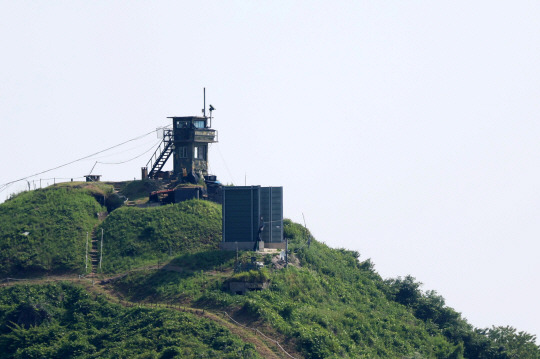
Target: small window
pixel 199 123
pixel 182 152
pixel 182 124
pixel 199 152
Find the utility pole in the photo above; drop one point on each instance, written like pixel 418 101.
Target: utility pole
pixel 86 256
pixel 101 250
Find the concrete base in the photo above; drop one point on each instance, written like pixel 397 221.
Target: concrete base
pixel 249 246
pixel 274 245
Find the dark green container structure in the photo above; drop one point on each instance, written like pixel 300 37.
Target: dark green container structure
pixel 245 210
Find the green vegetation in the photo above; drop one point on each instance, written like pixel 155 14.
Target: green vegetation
pixel 136 236
pixel 45 230
pixel 206 260
pixel 97 189
pixel 252 276
pixel 497 342
pixel 65 321
pixel 332 306
pixel 327 316
pixel 326 304
pixel 137 190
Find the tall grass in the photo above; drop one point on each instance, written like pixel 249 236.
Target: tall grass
pixel 65 321
pixel 134 236
pixel 45 230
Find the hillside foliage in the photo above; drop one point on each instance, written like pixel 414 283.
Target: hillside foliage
pixel 333 306
pixel 327 304
pixel 136 236
pixel 65 321
pixel 45 230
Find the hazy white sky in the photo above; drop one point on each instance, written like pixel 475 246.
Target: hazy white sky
pixel 405 130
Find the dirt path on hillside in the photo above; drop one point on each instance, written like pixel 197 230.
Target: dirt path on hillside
pixel 265 347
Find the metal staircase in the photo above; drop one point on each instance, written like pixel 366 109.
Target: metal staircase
pixel 162 154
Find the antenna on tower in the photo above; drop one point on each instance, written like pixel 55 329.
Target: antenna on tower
pixel 204 102
pixel 211 109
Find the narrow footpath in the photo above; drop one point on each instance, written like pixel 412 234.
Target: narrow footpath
pixel 265 346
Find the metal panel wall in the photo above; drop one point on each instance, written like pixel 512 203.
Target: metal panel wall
pixel 240 213
pixel 272 214
pixel 243 208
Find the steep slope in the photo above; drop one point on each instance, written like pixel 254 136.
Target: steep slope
pixel 326 304
pixel 45 230
pixel 135 236
pixel 329 305
pixel 320 315
pixel 64 320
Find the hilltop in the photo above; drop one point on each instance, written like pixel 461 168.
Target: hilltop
pixel 44 231
pixel 329 303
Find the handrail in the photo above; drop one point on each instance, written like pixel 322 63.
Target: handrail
pixel 167 142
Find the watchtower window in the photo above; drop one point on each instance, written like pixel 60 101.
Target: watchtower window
pixel 199 123
pixel 182 124
pixel 182 152
pixel 199 152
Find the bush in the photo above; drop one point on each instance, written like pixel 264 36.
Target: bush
pixel 252 276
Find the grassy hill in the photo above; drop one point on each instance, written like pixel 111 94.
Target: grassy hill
pixel 326 304
pixel 330 305
pixel 45 230
pixel 65 321
pixel 136 236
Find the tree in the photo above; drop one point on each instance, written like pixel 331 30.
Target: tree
pixel 404 290
pixel 518 345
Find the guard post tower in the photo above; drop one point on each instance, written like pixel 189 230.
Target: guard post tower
pixel 191 137
pixel 187 142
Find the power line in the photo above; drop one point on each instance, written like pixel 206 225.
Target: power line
pixel 119 163
pixel 124 151
pixel 225 163
pixel 77 160
pixel 131 159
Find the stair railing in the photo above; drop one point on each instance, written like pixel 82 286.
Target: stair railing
pixel 159 152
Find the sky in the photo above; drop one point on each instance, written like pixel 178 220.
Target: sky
pixel 405 130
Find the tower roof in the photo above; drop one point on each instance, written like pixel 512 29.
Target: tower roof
pixel 187 117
